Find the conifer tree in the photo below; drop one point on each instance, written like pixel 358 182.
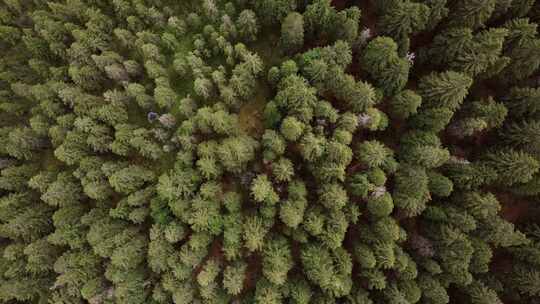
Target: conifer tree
pixel 509 163
pixel 403 18
pixel 382 62
pixel 405 104
pixel 522 101
pixel 247 25
pixel 260 151
pixel 472 14
pixel 277 261
pixel 292 32
pixel 447 89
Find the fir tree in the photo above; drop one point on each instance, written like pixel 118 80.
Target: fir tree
pixel 509 163
pixel 384 65
pixel 447 89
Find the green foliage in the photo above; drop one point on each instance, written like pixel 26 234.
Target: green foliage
pixel 472 54
pixel 405 104
pixel 380 204
pixel 291 128
pixel 273 11
pixel 411 189
pixel 447 89
pixel 439 184
pixel 472 14
pixel 329 270
pixel 292 32
pixel 372 153
pixel 522 135
pixel 403 18
pixel 247 25
pixel 233 278
pixel 262 190
pixel 384 65
pixel 512 166
pixel 433 119
pixel 235 152
pixel 260 151
pixel 277 260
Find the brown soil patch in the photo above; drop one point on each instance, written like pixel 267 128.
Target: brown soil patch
pixel 513 209
pixel 369 17
pixel 339 4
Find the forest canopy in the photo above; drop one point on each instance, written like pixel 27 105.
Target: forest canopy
pixel 269 151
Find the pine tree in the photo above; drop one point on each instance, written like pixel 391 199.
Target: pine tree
pixel 523 101
pixel 447 89
pixel 472 14
pixel 273 11
pixel 319 17
pixel 327 269
pixel 292 32
pixel 524 135
pixel 433 119
pixel 283 170
pixel 247 25
pixel 262 190
pixel 233 278
pixel 405 104
pixel 402 19
pixel 411 189
pixel 512 166
pixel 438 11
pixel 461 51
pixel 525 280
pixel 380 205
pixel 130 179
pixel 254 233
pixel 439 184
pixel 235 152
pixel 382 62
pixel 333 196
pixel 484 52
pixel 277 260
pixel 291 128
pixel 372 153
pixel 522 49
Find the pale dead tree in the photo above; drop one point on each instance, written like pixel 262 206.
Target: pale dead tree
pixel 410 57
pixel 378 192
pixel 364 120
pixel 117 72
pixel 458 160
pixel 365 35
pixel 167 120
pixel 422 245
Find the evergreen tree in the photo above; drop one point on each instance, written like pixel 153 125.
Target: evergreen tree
pixel 262 190
pixel 405 104
pixel 382 62
pixel 522 101
pixel 512 166
pixel 472 14
pixel 403 18
pixel 247 25
pixel 233 278
pixel 292 32
pixel 143 158
pixel 447 89
pixel 277 260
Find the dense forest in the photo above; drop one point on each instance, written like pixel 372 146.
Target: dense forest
pixel 270 151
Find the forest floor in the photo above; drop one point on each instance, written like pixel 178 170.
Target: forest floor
pixel 251 114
